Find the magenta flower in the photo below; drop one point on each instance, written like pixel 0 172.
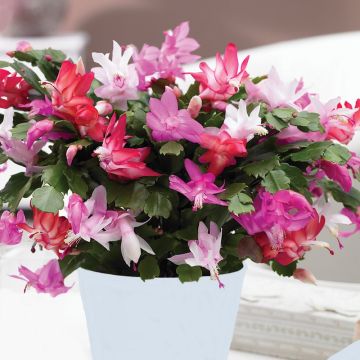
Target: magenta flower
pixel 220 84
pixel 338 173
pixel 205 251
pixel 37 130
pixel 10 233
pixel 40 107
pixel 354 217
pixel 200 189
pixel 89 219
pixel 71 153
pixel 168 123
pixel 277 213
pixel 48 279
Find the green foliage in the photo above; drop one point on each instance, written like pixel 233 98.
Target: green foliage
pixel 158 204
pixel 15 190
pixel 149 268
pixel 283 270
pixel 171 148
pixel 241 203
pixel 76 181
pixel 188 273
pixel 20 131
pixel 232 190
pixel 349 199
pixel 47 199
pixel 262 167
pixel 54 175
pixel 276 180
pixel 132 196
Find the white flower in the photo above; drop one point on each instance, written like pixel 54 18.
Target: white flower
pixel 119 78
pixel 240 125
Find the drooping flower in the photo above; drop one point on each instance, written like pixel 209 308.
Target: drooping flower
pixel 48 279
pixel 354 218
pixel 275 214
pixel 275 92
pixel 205 251
pixel 50 231
pixel 89 219
pixel 222 149
pixel 103 107
pixel 122 228
pixel 200 189
pixel 240 125
pixel 40 107
pixel 167 122
pixel 70 100
pixel 304 276
pixel 16 149
pixel 119 78
pixel 294 243
pixel 220 84
pixel 338 173
pixel 118 161
pixel 10 234
pixel 37 130
pixel 14 90
pixel 71 153
pixel 194 106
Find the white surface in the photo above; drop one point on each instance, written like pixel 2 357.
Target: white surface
pixel 159 319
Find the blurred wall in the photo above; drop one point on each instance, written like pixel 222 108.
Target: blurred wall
pixel 213 23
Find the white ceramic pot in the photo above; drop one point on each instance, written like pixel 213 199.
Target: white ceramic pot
pixel 161 319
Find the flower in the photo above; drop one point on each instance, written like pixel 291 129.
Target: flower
pixel 304 276
pixel 194 106
pixel 240 125
pixel 294 243
pixel 18 150
pixel 10 234
pixel 200 189
pixel 119 79
pixel 14 90
pixel 41 107
pixel 275 214
pixel 205 251
pixel 49 230
pixel 23 46
pixel 48 279
pixel 71 153
pixel 37 130
pixel 89 219
pixel 274 92
pixel 153 63
pixel 167 122
pixel 103 107
pixel 122 228
pixel 354 218
pixel 222 149
pixel 337 173
pixel 70 101
pixel 220 84
pixel 118 161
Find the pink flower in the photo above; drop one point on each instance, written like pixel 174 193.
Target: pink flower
pixel 195 106
pixel 89 219
pixel 167 122
pixel 118 161
pixel 40 107
pixel 304 276
pixel 220 84
pixel 23 46
pixel 240 125
pixel 354 217
pixel 200 189
pixel 122 228
pixel 119 79
pixel 294 243
pixel 277 213
pixel 275 92
pixel 71 153
pixel 204 252
pixel 16 149
pixel 103 107
pixel 48 279
pixel 337 173
pixel 37 130
pixel 222 149
pixel 10 234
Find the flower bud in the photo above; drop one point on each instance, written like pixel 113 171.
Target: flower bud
pixel 23 46
pixel 103 107
pixel 305 276
pixel 195 105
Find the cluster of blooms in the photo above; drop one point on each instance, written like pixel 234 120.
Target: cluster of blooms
pixel 170 182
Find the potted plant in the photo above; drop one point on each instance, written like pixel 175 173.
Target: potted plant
pixel 132 178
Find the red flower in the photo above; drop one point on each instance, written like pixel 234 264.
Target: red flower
pixel 49 230
pixel 294 244
pixel 115 159
pixel 222 150
pixel 70 101
pixel 14 90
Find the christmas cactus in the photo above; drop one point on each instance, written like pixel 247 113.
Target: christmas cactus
pixel 130 174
